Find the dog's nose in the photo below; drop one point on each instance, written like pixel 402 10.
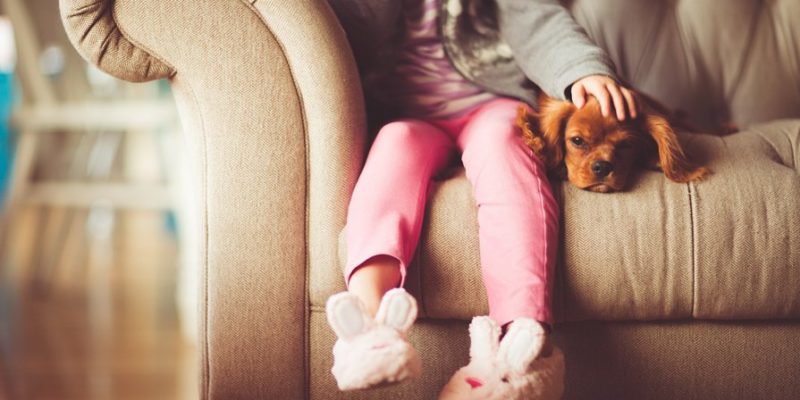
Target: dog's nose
pixel 601 169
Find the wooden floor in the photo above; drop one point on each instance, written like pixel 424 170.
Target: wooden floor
pixel 95 318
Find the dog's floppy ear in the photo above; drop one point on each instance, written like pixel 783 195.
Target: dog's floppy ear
pixel 669 155
pixel 553 117
pixel 544 132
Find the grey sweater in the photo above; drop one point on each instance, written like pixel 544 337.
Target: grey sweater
pixel 505 46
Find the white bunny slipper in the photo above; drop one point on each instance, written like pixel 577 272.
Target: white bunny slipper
pixel 507 369
pixel 372 352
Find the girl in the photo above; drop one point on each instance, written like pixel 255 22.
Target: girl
pixel 439 77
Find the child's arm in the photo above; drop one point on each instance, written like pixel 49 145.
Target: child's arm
pixel 555 53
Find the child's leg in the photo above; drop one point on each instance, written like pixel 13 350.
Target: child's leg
pixel 373 279
pixel 518 232
pixel 517 214
pixel 386 210
pixel 383 224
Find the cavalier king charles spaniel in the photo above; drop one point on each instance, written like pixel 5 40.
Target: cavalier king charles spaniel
pixel 598 153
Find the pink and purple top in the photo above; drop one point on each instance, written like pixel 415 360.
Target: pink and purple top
pixel 424 83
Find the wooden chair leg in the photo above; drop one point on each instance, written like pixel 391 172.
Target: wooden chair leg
pixel 21 170
pixel 24 158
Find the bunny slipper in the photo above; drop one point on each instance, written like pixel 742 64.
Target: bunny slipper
pixel 369 351
pixel 507 369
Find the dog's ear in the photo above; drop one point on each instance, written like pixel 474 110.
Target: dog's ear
pixel 544 133
pixel 668 155
pixel 553 117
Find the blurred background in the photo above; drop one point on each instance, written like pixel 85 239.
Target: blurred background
pixel 96 294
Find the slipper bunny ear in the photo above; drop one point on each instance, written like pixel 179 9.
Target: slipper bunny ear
pixel 398 310
pixel 347 316
pixel 484 334
pixel 522 343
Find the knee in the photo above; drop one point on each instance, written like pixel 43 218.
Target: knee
pixel 499 141
pixel 408 137
pixel 495 129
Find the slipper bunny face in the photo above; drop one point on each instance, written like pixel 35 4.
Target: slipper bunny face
pixel 372 351
pixel 349 319
pixel 507 369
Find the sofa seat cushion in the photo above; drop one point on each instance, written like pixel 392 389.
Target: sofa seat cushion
pixel 724 248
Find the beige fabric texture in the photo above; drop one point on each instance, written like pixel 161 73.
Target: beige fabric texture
pixel 244 109
pixel 734 61
pixel 747 256
pixel 335 131
pixel 248 117
pixel 724 248
pixel 612 360
pixel 91 27
pixel 270 102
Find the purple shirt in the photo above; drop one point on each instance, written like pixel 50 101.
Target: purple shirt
pixel 424 83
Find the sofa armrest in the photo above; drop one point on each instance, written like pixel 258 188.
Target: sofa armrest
pixel 274 124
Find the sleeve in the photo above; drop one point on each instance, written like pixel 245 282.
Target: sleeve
pixel 550 47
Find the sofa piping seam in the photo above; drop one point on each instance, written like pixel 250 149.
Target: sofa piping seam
pixel 204 179
pixel 306 301
pixel 693 249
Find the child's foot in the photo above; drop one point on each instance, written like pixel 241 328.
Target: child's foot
pixel 521 366
pixel 372 352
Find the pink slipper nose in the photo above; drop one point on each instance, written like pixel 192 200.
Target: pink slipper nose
pixel 474 383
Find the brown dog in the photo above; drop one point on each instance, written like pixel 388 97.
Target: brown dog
pixel 600 153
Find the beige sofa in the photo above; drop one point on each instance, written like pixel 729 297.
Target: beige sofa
pixel 668 291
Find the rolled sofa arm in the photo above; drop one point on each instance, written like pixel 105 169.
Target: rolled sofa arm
pixel 274 124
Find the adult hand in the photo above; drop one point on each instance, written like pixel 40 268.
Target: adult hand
pixel 612 96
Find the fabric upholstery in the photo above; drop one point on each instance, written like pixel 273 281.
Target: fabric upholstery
pixel 90 25
pixel 610 360
pixel 258 112
pixel 735 61
pixel 747 227
pixel 274 123
pixel 243 115
pixel 681 360
pixel 724 248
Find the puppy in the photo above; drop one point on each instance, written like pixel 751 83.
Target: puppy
pixel 598 153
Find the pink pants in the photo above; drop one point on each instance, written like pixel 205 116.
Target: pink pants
pixel 517 215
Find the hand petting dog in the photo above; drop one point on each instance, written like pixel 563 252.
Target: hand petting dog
pixel 612 96
pixel 598 152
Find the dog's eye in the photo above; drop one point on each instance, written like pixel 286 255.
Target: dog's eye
pixel 578 141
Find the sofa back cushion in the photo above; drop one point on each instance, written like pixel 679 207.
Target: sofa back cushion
pixel 719 61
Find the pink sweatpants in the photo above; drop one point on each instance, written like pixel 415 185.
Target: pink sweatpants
pixel 517 215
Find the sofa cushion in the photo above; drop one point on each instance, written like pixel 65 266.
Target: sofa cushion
pixel 747 226
pixel 718 63
pixel 724 248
